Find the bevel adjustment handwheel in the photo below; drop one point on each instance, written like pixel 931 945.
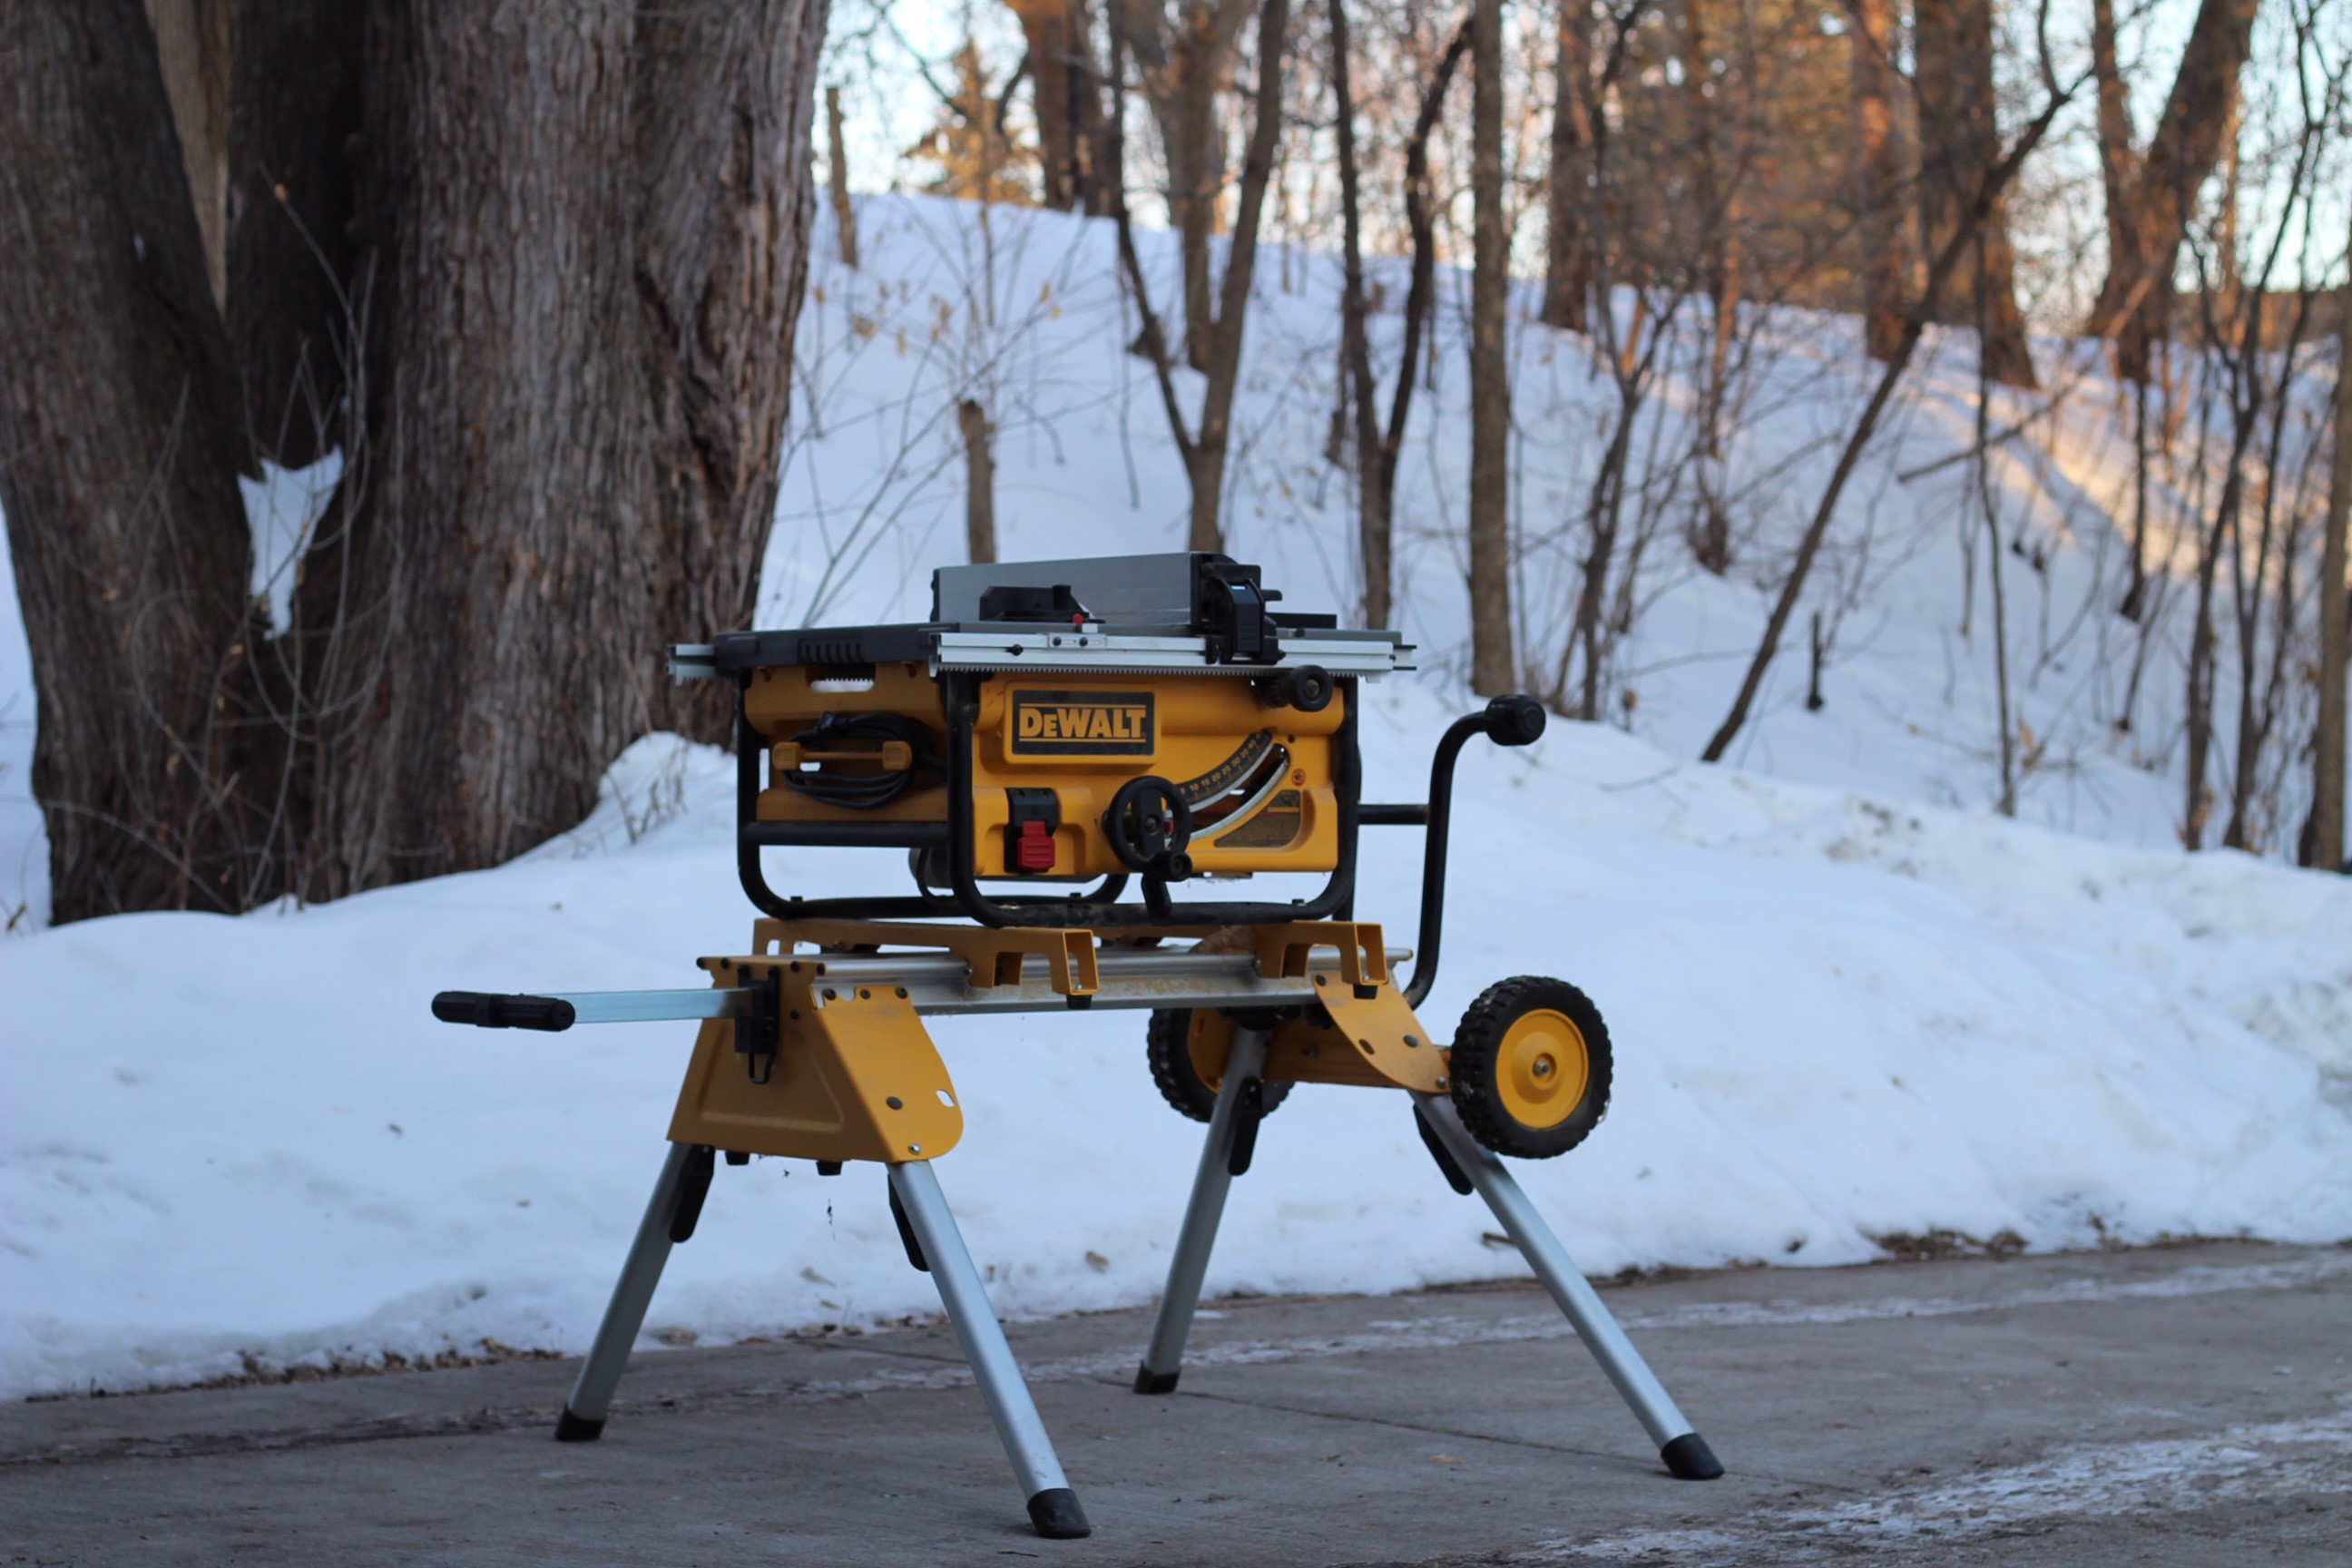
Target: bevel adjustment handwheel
pixel 1148 827
pixel 1167 1042
pixel 1530 1068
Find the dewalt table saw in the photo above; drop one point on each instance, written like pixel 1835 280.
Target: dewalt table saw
pixel 1056 733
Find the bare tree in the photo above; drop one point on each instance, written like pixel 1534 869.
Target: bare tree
pixel 980 480
pixel 1204 446
pixel 836 181
pixel 1959 139
pixel 1887 233
pixel 1067 95
pixel 1185 63
pixel 1493 669
pixel 1568 271
pixel 1378 445
pixel 2324 839
pixel 1978 211
pixel 2152 197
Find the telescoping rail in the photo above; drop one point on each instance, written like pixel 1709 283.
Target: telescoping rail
pixel 1059 733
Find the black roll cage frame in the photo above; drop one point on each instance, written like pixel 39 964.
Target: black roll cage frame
pixel 1509 721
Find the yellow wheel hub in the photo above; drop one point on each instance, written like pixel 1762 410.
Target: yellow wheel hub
pixel 1542 1069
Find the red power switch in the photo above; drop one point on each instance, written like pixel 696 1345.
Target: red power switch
pixel 1035 849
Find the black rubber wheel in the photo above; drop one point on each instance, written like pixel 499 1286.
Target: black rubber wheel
pixel 1167 1042
pixel 1530 1068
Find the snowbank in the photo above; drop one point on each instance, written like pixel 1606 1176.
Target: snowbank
pixel 1838 1014
pixel 1836 1018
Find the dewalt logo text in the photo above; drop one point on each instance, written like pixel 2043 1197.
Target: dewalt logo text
pixel 1082 724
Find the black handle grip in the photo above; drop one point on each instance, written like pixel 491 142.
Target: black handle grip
pixel 1515 720
pixel 489 1011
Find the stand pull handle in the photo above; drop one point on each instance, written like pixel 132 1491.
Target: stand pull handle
pixel 488 1010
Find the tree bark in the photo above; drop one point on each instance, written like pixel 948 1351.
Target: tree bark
pixel 725 101
pixel 192 44
pixel 1960 139
pixel 117 422
pixel 2146 226
pixel 1187 60
pixel 596 241
pixel 1067 99
pixel 1210 445
pixel 1493 669
pixel 1375 533
pixel 836 169
pixel 2326 836
pixel 1377 447
pixel 579 246
pixel 2119 164
pixel 978 481
pixel 1568 270
pixel 294 296
pixel 1203 450
pixel 1887 236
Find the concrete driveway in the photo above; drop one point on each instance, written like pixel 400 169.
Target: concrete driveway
pixel 2179 1406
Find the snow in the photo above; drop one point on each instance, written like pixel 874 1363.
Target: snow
pixel 1848 1000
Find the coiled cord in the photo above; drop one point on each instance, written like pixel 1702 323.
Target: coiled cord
pixel 862 791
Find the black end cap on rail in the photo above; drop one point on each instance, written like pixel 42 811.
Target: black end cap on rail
pixel 1688 1458
pixel 1150 1382
pixel 1516 721
pixel 487 1010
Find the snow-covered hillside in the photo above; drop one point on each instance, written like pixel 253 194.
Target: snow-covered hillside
pixel 1848 1001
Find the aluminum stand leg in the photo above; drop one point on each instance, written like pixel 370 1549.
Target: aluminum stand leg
pixel 1684 1451
pixel 1053 1505
pixel 583 1420
pixel 1164 1360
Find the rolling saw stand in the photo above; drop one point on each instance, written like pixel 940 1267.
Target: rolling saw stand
pixel 1087 723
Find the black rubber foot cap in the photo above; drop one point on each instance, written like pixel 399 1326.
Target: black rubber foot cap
pixel 1690 1460
pixel 1058 1517
pixel 571 1428
pixel 1150 1382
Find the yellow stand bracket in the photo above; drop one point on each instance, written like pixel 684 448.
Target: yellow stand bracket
pixel 855 1075
pixel 1374 1041
pixel 995 953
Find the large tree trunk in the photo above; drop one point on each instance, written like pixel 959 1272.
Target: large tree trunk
pixel 1493 669
pixel 561 310
pixel 726 98
pixel 295 301
pixel 1069 98
pixel 1888 239
pixel 121 445
pixel 596 239
pixel 1568 270
pixel 2149 216
pixel 1959 139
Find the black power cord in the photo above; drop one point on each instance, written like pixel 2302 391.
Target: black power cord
pixel 862 791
